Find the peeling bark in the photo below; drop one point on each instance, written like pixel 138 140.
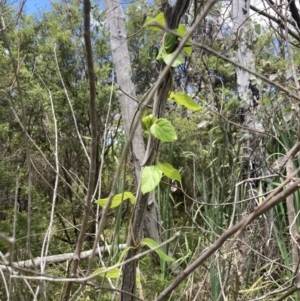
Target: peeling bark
pixel 248 91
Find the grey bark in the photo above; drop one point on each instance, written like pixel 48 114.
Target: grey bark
pixel 173 15
pixel 115 20
pixel 248 91
pixel 145 205
pixel 118 38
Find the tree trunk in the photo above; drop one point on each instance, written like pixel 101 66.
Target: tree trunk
pixel 116 22
pixel 93 157
pixel 118 39
pixel 144 203
pixel 255 153
pixel 248 92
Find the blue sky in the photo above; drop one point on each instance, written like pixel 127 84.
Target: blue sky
pixel 34 6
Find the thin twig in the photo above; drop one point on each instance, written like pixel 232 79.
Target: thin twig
pixel 71 106
pixel 46 241
pixel 93 157
pixel 291 211
pixel 96 241
pixel 16 209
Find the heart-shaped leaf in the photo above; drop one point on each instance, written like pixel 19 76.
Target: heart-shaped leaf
pixel 169 57
pixel 151 176
pixel 171 172
pixel 163 130
pixel 147 121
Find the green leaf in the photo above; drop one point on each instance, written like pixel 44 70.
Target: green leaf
pixel 147 121
pixel 171 172
pixel 181 30
pixel 169 43
pixel 123 254
pixel 160 19
pixel 161 54
pixel 169 57
pixel 188 50
pixel 171 95
pixel 184 100
pixel 152 244
pixel 117 199
pixel 257 28
pixel 163 130
pixel 151 176
pixel 114 273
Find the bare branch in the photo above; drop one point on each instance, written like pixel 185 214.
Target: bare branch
pixel 71 106
pixel 83 280
pixel 58 258
pixel 274 19
pixel 93 157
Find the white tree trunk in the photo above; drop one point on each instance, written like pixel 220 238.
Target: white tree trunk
pixel 118 39
pixel 144 202
pixel 245 56
pixel 247 88
pixel 254 153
